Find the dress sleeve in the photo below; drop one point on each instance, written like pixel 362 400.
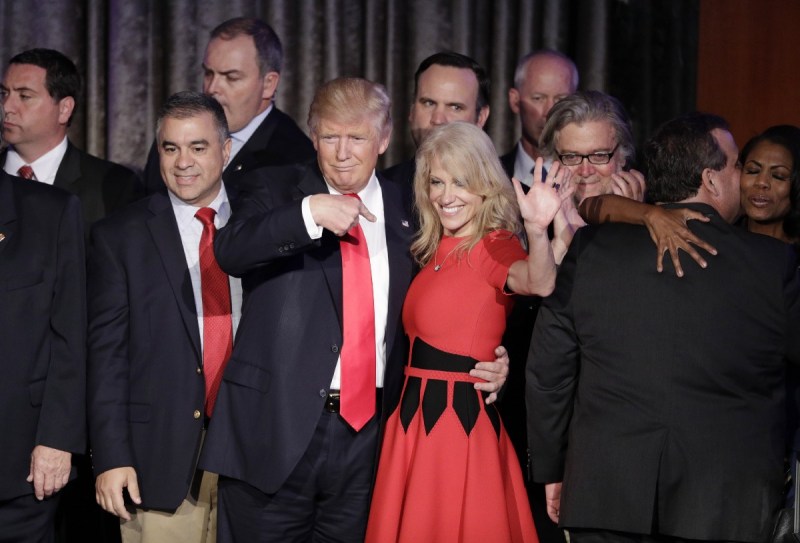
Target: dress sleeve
pixel 499 250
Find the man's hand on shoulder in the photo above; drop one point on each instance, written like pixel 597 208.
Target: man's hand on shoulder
pixel 49 471
pixel 108 490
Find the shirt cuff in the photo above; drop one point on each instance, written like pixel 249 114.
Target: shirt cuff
pixel 313 229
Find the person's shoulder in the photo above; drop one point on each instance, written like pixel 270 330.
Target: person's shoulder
pixel 133 214
pixel 263 175
pixel 99 166
pixel 24 189
pixel 402 172
pixel 767 249
pixel 507 161
pixel 499 242
pixel 290 131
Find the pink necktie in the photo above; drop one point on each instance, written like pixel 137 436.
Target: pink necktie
pixel 217 328
pixel 357 401
pixel 26 172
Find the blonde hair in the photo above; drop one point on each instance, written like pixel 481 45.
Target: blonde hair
pixel 467 153
pixel 348 100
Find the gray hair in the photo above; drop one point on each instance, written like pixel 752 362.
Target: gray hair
pixel 589 106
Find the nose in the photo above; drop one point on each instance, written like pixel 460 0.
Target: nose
pixel 548 105
pixel 448 194
pixel 585 168
pixel 9 102
pixel 184 160
pixel 342 149
pixel 210 84
pixel 438 116
pixel 762 180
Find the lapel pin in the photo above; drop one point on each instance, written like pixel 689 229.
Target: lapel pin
pixel 2 236
pixel 404 223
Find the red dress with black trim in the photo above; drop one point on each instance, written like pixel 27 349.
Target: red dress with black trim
pixel 447 470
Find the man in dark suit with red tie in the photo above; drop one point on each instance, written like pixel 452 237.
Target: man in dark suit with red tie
pixel 40 90
pixel 242 71
pixel 296 427
pixel 42 353
pixel 162 315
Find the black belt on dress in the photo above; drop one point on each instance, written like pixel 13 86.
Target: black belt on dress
pixel 467 402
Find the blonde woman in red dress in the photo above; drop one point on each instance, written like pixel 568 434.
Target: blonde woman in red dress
pixel 447 471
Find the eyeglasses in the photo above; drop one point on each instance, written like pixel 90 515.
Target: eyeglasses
pixel 574 159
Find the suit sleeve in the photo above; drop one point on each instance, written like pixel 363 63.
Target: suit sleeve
pixel 551 375
pixel 262 229
pixel 62 420
pixel 108 371
pixel 791 296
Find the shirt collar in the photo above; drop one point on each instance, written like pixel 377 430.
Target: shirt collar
pixel 44 167
pixel 370 194
pixel 184 213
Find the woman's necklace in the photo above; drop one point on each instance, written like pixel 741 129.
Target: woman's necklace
pixel 436 266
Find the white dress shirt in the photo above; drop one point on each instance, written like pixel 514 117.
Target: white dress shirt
pixel 44 168
pixel 191 229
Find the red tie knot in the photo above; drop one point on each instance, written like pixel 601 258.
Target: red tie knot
pixel 206 216
pixel 25 171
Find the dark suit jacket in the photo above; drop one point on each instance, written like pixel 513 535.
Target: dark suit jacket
pixel 42 327
pixel 101 186
pixel 402 172
pixel 508 160
pixel 146 391
pixel 289 337
pixel 648 392
pixel 278 141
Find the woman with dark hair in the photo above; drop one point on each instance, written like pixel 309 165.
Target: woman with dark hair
pixel 770 183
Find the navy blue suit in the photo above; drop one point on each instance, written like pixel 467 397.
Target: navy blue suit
pixel 146 391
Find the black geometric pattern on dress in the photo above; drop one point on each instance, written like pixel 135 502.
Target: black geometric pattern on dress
pixel 466 400
pixel 410 401
pixel 466 404
pixel 434 402
pixel 494 417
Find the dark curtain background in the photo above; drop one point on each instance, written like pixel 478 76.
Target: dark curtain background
pixel 134 53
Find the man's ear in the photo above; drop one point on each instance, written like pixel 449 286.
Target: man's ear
pixel 271 80
pixel 709 182
pixel 65 107
pixel 483 116
pixel 513 100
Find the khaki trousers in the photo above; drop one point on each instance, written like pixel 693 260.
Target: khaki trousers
pixel 193 522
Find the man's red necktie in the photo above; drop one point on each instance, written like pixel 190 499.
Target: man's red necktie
pixel 25 171
pixel 357 402
pixel 217 327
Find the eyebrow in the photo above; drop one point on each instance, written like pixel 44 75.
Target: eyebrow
pixel 193 142
pixel 18 89
pixel 227 72
pixel 423 97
